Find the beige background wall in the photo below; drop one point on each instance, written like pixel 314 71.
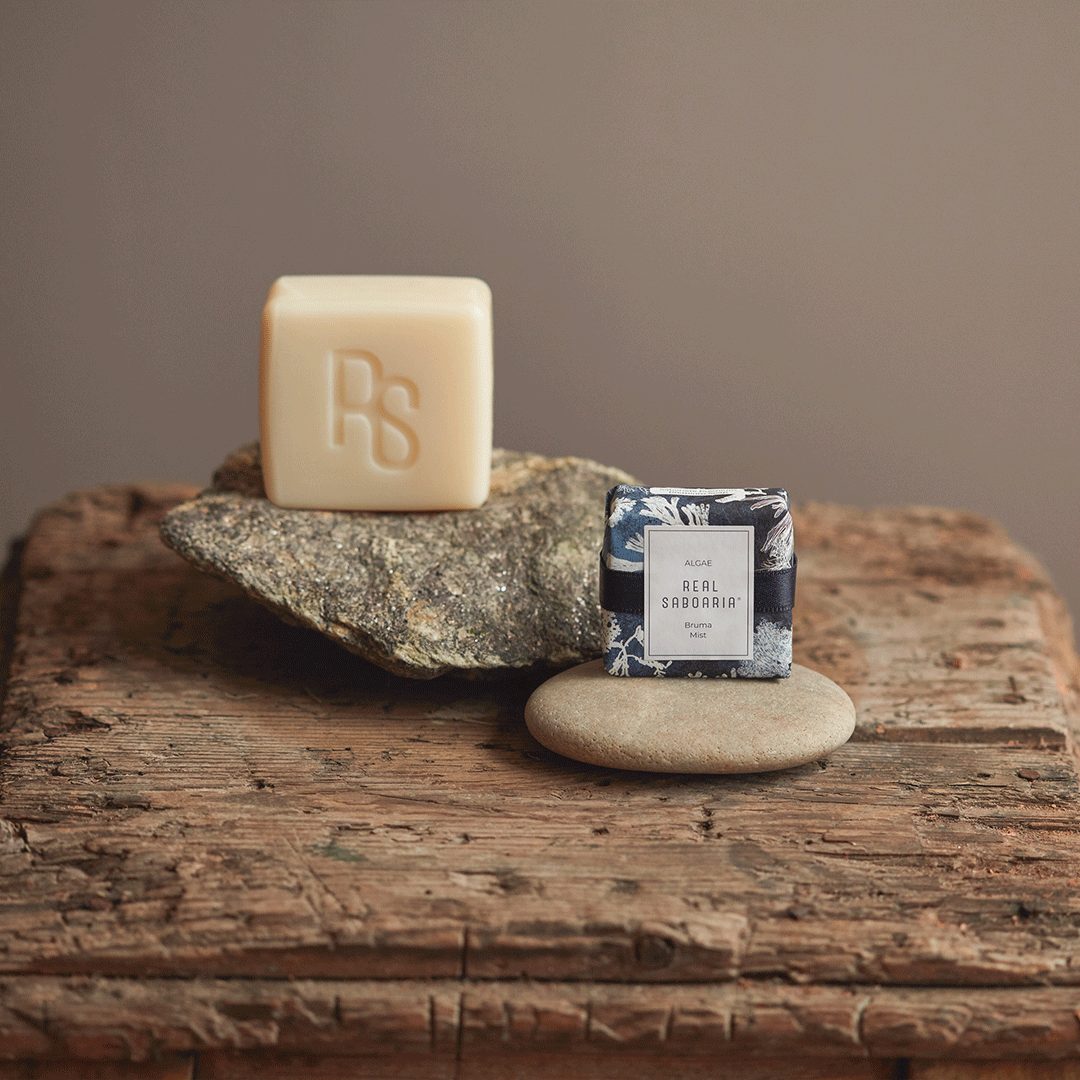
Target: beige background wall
pixel 829 245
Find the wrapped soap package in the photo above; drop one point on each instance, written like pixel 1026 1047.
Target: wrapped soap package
pixel 698 582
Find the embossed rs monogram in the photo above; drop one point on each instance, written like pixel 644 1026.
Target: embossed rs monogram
pixel 360 389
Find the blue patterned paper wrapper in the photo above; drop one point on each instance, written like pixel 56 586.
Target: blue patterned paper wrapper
pixel 629 509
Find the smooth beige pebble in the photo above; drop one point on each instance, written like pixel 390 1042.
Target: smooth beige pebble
pixel 690 725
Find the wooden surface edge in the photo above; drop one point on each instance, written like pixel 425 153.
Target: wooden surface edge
pixel 232 1065
pixel 138 1020
pixel 10 588
pixel 1060 629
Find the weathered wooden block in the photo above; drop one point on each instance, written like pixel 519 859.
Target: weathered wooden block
pixel 222 836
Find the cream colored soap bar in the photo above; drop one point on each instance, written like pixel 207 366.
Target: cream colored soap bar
pixel 376 393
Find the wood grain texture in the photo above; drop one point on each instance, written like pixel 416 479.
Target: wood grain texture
pixel 142 1019
pixel 205 810
pixel 997 1070
pixel 172 1068
pixel 542 1066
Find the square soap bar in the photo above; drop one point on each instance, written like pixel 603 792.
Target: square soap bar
pixel 376 393
pixel 698 582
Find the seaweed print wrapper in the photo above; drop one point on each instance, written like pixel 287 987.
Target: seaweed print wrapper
pixel 630 508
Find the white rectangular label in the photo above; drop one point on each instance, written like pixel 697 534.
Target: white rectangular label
pixel 699 592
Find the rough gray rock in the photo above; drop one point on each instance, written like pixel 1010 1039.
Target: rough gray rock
pixel 512 585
